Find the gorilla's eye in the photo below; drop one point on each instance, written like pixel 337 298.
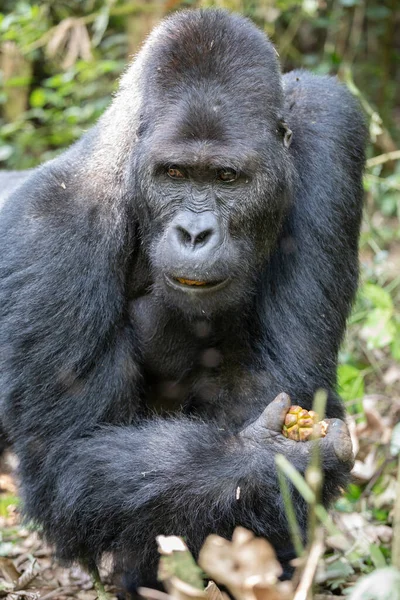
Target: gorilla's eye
pixel 175 172
pixel 227 175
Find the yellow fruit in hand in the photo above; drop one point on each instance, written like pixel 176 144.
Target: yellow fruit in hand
pixel 299 424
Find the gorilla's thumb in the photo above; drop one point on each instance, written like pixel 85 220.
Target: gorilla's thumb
pixel 272 417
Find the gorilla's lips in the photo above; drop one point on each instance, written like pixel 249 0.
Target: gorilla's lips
pixel 199 285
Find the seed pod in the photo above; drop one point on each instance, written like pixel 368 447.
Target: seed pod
pixel 300 424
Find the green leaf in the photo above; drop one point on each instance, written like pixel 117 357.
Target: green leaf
pixel 38 98
pixel 350 382
pixel 6 501
pixel 377 557
pixel 379 297
pixel 395 346
pixel 379 329
pixel 21 81
pixel 338 572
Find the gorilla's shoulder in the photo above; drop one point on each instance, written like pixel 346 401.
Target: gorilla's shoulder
pixel 321 103
pixel 11 181
pixel 50 186
pixel 323 93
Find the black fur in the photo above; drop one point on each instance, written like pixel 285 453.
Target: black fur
pixel 96 347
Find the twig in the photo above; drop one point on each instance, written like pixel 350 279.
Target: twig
pixel 56 592
pixel 376 128
pixel 27 576
pixel 382 158
pixel 98 585
pixel 294 528
pixel 151 594
pixel 304 489
pixel 325 597
pixel 314 475
pixel 356 32
pixel 316 551
pixel 396 524
pixel 290 33
pixel 382 181
pixel 26 556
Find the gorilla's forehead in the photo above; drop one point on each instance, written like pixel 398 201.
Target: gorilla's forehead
pixel 219 112
pixel 206 116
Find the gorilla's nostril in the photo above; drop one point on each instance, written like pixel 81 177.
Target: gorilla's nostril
pixel 184 236
pixel 203 236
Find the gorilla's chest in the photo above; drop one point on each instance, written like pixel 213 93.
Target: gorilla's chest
pixel 179 361
pixel 166 347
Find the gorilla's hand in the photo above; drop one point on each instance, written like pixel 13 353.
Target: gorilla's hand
pixel 336 447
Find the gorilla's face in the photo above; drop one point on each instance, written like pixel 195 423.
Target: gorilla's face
pixel 213 171
pixel 212 167
pixel 212 212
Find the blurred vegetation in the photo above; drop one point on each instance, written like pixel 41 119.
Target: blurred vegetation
pixel 60 61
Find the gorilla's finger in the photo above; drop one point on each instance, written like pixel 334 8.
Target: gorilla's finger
pixel 338 438
pixel 273 417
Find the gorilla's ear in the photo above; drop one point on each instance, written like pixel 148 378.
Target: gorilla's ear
pixel 286 132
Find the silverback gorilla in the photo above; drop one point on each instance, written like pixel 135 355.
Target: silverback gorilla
pixel 192 257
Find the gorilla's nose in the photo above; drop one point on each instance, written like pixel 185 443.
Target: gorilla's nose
pixel 195 231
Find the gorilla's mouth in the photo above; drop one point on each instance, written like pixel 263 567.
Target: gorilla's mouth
pixel 195 285
pixel 190 281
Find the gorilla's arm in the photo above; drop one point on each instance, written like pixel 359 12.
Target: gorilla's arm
pixel 118 488
pixel 312 278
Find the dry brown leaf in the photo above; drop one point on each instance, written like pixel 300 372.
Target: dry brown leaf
pixel 379 534
pixel 214 593
pixel 352 426
pixel 364 470
pixel 392 375
pixel 151 594
pixel 247 566
pixel 86 595
pixel 8 572
pixel 180 590
pixel 25 580
pixel 7 484
pixel 379 422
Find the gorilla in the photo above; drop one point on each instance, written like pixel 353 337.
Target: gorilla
pixel 169 286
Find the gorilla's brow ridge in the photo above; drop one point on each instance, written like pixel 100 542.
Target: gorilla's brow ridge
pixel 205 154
